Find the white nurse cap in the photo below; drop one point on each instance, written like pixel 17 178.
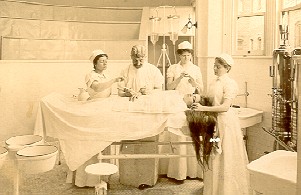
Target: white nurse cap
pixel 227 58
pixel 96 53
pixel 185 45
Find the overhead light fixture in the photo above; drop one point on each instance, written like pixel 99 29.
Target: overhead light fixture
pixel 188 26
pixel 173 21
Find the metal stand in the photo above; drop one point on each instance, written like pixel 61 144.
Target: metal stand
pixel 164 56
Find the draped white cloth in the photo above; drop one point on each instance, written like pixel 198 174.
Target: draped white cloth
pixel 86 128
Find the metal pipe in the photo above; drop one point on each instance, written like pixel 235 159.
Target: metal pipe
pixel 142 156
pixel 152 142
pixel 278 140
pixel 246 94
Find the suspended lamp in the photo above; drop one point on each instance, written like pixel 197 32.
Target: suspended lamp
pixel 188 26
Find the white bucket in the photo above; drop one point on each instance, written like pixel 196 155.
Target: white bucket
pixel 3 153
pixel 36 159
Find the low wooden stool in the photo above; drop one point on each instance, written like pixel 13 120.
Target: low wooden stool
pixel 101 169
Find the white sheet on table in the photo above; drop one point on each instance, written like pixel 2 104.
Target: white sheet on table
pixel 86 128
pixel 159 102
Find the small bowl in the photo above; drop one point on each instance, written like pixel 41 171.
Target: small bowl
pixel 36 159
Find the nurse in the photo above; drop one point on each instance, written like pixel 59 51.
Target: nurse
pixel 99 85
pixel 225 169
pixel 98 82
pixel 186 78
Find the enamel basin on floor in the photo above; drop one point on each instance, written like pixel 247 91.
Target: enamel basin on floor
pixel 274 173
pixel 248 116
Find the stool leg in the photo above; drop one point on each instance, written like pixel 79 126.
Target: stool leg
pixel 101 188
pixel 16 183
pixel 16 178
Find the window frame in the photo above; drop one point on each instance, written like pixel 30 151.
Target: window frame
pixel 271 20
pixel 295 7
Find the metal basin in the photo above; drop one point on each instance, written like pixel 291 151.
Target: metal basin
pixel 36 159
pixel 248 116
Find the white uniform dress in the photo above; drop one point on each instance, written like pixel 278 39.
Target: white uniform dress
pixel 227 173
pixel 148 76
pixel 180 168
pixel 94 76
pixel 184 87
pixel 81 178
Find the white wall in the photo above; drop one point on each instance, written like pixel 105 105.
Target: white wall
pixel 24 83
pixel 255 71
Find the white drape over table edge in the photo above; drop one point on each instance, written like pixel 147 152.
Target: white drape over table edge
pixel 86 128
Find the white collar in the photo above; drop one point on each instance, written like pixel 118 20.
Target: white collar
pixel 223 77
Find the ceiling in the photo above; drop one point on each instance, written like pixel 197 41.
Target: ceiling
pixel 117 3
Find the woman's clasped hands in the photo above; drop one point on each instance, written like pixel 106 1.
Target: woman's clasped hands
pixel 184 74
pixel 191 80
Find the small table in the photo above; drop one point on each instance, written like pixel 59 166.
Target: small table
pixel 101 169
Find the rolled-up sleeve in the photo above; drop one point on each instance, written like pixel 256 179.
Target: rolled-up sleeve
pixel 91 77
pixel 88 80
pixel 170 72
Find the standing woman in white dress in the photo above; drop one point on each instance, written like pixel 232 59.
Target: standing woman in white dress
pixel 225 171
pixel 186 78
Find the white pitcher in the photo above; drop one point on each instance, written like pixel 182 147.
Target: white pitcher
pixel 83 95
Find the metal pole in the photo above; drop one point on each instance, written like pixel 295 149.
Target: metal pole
pixel 163 50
